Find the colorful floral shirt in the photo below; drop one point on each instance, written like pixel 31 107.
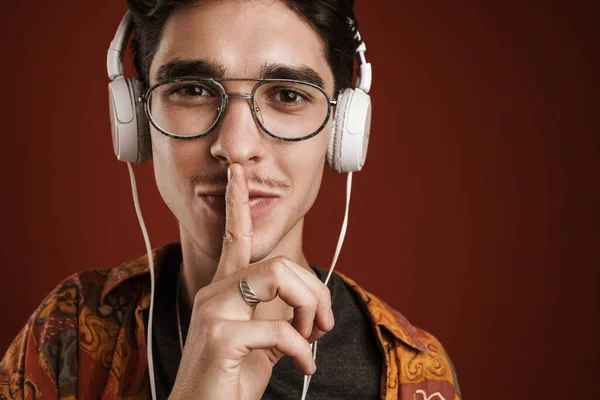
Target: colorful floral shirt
pixel 87 340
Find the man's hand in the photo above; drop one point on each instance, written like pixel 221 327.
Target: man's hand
pixel 228 355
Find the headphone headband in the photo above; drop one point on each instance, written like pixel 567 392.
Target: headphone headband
pixel 114 57
pixel 365 73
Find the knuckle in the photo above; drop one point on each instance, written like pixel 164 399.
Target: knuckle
pixel 215 339
pixel 199 300
pixel 312 303
pixel 205 307
pixel 306 348
pixel 214 331
pixel 275 269
pixel 203 299
pixel 230 202
pixel 317 334
pixel 326 295
pixel 201 311
pixel 281 259
pixel 281 328
pixel 229 236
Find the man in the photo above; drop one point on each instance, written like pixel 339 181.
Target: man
pixel 239 97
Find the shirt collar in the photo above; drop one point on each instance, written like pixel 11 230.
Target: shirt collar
pixel 137 268
pixel 383 315
pixel 380 313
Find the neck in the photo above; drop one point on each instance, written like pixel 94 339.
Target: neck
pixel 200 265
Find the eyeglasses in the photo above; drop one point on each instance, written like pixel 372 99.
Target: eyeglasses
pixel 285 109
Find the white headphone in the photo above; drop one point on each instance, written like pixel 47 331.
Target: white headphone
pixel 348 142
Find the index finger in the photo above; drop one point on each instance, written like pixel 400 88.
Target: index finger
pixel 237 241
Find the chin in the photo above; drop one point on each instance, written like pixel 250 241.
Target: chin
pixel 264 245
pixel 260 251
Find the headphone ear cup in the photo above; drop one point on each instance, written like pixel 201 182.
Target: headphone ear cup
pixel 129 125
pixel 348 143
pixel 335 138
pixel 143 126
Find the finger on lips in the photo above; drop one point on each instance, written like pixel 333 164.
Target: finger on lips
pixel 237 240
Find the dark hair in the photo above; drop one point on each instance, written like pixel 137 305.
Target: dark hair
pixel 329 18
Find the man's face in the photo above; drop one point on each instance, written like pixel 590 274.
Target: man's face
pixel 240 38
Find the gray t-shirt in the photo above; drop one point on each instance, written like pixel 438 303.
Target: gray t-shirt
pixel 349 360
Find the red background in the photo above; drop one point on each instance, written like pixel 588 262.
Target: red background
pixel 475 214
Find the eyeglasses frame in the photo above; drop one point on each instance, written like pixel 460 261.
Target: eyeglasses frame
pixel 225 97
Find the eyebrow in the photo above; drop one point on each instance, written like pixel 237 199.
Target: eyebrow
pixel 175 69
pixel 282 71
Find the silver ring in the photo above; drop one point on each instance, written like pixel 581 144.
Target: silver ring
pixel 247 293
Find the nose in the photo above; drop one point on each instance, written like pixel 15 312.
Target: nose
pixel 238 137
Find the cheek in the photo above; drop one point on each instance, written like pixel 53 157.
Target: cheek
pixel 174 162
pixel 307 166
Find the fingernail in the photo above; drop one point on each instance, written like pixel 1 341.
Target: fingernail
pixel 331 320
pixel 314 367
pixel 229 173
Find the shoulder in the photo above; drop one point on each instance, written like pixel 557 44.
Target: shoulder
pixel 88 296
pixel 89 292
pixel 77 327
pixel 68 307
pixel 422 364
pixel 103 292
pixel 42 359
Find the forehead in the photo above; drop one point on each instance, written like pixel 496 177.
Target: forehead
pixel 242 36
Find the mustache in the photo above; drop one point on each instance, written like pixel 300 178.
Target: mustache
pixel 205 179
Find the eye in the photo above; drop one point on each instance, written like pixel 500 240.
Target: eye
pixel 289 96
pixel 192 90
pixel 286 96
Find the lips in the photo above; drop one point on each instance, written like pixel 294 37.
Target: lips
pixel 259 202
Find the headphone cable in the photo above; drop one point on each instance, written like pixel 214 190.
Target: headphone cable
pixel 138 211
pixel 338 248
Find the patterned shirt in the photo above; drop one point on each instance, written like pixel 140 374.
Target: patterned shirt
pixel 87 340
